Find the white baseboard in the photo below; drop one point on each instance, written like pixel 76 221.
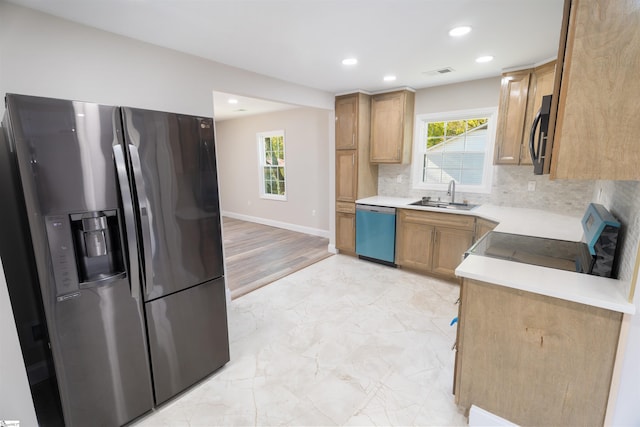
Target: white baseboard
pixel 279 224
pixel 479 417
pixel 332 249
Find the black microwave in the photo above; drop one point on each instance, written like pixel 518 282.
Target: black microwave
pixel 538 136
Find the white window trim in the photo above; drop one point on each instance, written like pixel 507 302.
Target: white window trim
pixel 418 140
pixel 260 136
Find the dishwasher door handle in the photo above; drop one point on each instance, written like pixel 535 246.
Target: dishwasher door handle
pixel 376 209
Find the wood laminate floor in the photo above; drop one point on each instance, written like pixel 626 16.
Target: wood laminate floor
pixel 257 254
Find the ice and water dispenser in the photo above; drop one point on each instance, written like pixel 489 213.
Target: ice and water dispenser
pixel 85 249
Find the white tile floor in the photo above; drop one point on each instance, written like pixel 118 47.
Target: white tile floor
pixel 342 342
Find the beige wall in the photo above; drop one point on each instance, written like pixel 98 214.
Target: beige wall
pixel 459 96
pixel 307 159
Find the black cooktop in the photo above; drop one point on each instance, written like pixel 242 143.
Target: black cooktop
pixel 552 253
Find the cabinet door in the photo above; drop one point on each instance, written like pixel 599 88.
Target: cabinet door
pixel 511 117
pixel 346 121
pixel 414 244
pixel 597 130
pixel 346 232
pixel 387 114
pixel 448 248
pixel 346 172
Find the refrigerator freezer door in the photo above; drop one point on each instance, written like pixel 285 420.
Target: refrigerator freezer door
pixel 174 176
pixel 96 328
pixel 187 336
pixel 106 375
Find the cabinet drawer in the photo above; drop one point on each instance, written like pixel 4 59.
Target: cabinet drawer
pixel 462 222
pixel 346 207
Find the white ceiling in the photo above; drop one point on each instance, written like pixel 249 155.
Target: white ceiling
pixel 304 41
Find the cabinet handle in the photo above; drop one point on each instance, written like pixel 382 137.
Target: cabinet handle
pixel 353 160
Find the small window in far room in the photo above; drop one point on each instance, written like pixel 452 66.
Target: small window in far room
pixel 272 165
pixel 454 146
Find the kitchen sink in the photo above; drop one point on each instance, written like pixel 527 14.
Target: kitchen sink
pixel 443 205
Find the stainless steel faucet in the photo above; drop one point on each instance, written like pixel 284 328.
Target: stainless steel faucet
pixel 451 191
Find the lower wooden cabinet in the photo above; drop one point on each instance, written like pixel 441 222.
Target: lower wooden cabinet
pixel 346 227
pixel 449 247
pixel 483 226
pixel 534 359
pixel 432 242
pixel 414 243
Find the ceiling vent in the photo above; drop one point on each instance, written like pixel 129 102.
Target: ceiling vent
pixel 445 70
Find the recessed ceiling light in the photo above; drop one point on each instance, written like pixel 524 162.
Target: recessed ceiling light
pixel 459 31
pixel 349 61
pixel 389 78
pixel 232 101
pixel 482 59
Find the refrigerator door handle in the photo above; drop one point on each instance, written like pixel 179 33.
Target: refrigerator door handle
pixel 145 221
pixel 129 220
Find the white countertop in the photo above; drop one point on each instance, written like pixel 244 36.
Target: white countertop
pixel 582 288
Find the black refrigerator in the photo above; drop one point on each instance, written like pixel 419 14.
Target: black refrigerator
pixel 120 213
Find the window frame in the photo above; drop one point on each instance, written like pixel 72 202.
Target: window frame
pixel 262 163
pixel 418 150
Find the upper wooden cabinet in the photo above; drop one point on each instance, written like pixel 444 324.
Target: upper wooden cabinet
pixel 392 127
pixel 511 113
pixel 521 95
pixel 346 122
pixel 597 128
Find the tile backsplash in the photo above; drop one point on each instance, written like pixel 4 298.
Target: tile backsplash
pixel 509 188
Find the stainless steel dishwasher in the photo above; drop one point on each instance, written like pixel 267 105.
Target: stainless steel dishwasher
pixel 376 233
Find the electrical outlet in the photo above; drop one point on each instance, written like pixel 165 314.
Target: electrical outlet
pixel 248 202
pixel 313 212
pixel 531 186
pixel 399 179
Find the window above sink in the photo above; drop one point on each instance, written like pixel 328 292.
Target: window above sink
pixel 456 145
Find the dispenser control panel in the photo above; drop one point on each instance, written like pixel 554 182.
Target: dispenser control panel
pixel 62 256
